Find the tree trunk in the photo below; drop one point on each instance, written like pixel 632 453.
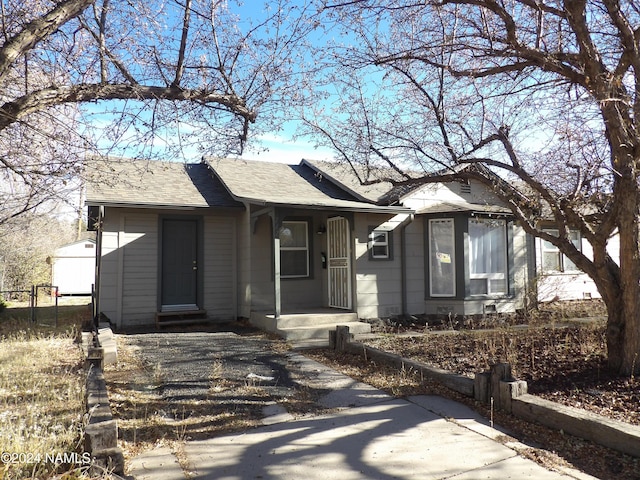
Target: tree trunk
pixel 623 333
pixel 623 326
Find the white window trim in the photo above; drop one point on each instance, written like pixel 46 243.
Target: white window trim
pixel 373 243
pixel 548 247
pixel 291 249
pixel 491 276
pixel 453 237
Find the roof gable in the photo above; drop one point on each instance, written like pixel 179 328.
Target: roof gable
pixel 460 196
pixel 145 183
pixel 84 248
pixel 438 194
pixel 271 183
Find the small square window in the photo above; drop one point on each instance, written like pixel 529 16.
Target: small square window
pixel 379 244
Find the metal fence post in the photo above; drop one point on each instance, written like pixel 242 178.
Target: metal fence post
pixel 32 304
pixel 56 290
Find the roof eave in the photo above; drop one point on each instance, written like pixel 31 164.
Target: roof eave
pixel 112 204
pixel 341 208
pixel 471 211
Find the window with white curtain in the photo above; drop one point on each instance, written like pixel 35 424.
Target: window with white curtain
pixel 442 275
pixel 487 256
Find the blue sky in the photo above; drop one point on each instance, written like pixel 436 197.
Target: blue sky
pixel 278 147
pixel 118 139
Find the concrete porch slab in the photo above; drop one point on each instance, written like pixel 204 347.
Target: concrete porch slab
pixel 313 324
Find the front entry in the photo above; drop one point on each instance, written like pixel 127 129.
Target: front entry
pixel 179 289
pixel 339 263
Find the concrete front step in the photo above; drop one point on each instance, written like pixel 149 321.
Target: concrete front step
pixel 267 320
pixel 321 331
pixel 309 325
pixel 295 320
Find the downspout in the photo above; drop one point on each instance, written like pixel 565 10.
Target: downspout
pixel 403 264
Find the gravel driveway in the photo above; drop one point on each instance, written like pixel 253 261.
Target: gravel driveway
pixel 238 371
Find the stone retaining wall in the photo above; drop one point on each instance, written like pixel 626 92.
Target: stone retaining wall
pixel 101 431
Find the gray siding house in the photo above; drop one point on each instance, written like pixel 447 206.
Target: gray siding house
pixel 167 242
pixel 296 245
pixel 464 254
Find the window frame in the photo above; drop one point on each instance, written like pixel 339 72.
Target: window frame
pixel 452 258
pixel 547 247
pixel 487 277
pixel 306 248
pixel 372 243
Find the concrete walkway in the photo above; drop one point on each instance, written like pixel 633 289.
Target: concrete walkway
pixel 371 436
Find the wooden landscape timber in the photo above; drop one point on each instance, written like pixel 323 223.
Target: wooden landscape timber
pixel 509 395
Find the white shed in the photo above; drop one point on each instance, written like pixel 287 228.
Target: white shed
pixel 73 267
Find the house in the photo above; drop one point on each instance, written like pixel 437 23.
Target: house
pixel 464 252
pixel 73 267
pixel 296 245
pixel 263 240
pixel 167 238
pixel 556 277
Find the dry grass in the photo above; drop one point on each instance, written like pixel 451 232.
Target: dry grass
pixel 71 316
pixel 41 402
pixel 42 380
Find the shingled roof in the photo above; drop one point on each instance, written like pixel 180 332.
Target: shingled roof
pixel 144 183
pixel 381 193
pixel 269 183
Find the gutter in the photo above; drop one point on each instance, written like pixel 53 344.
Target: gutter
pixel 355 207
pixel 158 206
pixel 98 273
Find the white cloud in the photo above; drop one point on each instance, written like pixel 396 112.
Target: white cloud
pixel 274 148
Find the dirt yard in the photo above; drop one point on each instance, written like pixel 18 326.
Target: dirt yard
pixel 561 359
pixel 565 364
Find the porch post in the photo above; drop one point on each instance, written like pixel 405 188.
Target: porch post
pixel 276 275
pixel 276 223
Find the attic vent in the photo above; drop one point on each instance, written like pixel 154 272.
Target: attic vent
pixel 465 188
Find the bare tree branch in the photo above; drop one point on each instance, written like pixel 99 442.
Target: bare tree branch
pixel 38 29
pixel 10 112
pixel 183 45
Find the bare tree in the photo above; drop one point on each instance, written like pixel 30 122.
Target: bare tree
pixel 545 93
pixel 25 247
pixel 81 77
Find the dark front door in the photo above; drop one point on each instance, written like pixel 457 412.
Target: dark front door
pixel 179 264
